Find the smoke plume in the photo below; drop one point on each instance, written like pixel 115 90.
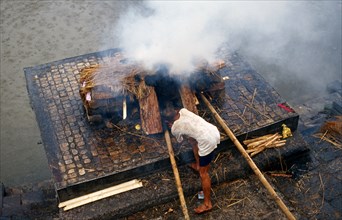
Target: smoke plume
pixel 296 39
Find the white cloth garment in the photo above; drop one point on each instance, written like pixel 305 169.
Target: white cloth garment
pixel 192 125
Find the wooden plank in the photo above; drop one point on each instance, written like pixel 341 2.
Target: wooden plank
pixel 188 98
pixel 149 112
pixel 92 197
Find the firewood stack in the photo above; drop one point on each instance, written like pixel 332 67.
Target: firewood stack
pixel 104 88
pixel 116 89
pixel 257 145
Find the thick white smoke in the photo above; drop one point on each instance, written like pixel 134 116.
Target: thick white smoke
pixel 177 33
pixel 298 39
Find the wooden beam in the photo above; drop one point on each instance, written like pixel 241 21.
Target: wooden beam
pixel 149 112
pixel 188 98
pixel 95 196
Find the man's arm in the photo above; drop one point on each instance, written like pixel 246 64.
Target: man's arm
pixel 176 132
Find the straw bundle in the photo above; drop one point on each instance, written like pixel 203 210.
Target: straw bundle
pixel 119 79
pixel 331 131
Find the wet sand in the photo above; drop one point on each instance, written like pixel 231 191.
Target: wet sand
pixel 38 32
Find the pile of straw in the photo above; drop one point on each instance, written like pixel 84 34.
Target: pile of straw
pixel 118 77
pixel 331 131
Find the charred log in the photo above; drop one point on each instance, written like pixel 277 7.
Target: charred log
pixel 149 111
pixel 188 98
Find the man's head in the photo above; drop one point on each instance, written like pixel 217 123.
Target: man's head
pixel 170 113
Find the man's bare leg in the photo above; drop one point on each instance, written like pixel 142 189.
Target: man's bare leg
pixel 206 187
pixel 194 145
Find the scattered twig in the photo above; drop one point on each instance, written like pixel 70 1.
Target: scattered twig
pixel 328 140
pixel 137 135
pixel 218 206
pixel 281 175
pixel 254 93
pixel 332 132
pixel 193 197
pixel 243 112
pixel 307 191
pixel 263 114
pixel 241 117
pixel 217 157
pixel 234 203
pixel 321 186
pixel 323 136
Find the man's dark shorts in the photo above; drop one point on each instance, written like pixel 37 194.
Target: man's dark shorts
pixel 205 160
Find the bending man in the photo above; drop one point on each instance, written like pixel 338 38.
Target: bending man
pixel 204 138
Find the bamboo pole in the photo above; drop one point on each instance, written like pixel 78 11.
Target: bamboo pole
pixel 176 174
pixel 251 163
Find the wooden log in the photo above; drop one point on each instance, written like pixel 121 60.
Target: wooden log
pixel 149 112
pixel 103 103
pixel 188 98
pixel 270 141
pixel 176 174
pixel 95 118
pixel 216 90
pixel 101 92
pixel 95 196
pixel 259 150
pixel 256 139
pixel 260 142
pixel 249 160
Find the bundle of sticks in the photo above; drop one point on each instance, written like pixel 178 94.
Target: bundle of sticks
pixel 257 145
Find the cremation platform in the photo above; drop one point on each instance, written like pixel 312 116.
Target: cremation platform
pixel 84 157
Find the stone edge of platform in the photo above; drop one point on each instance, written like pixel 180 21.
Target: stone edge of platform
pixel 157 191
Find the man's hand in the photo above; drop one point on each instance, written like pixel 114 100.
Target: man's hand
pixel 192 141
pixel 169 124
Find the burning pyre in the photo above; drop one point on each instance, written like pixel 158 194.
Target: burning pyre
pixel 121 89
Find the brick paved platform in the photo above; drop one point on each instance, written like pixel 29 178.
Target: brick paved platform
pixel 85 158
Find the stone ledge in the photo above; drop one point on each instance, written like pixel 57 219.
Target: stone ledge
pixel 160 187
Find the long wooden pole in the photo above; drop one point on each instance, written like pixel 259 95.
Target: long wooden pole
pixel 176 174
pixel 251 163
